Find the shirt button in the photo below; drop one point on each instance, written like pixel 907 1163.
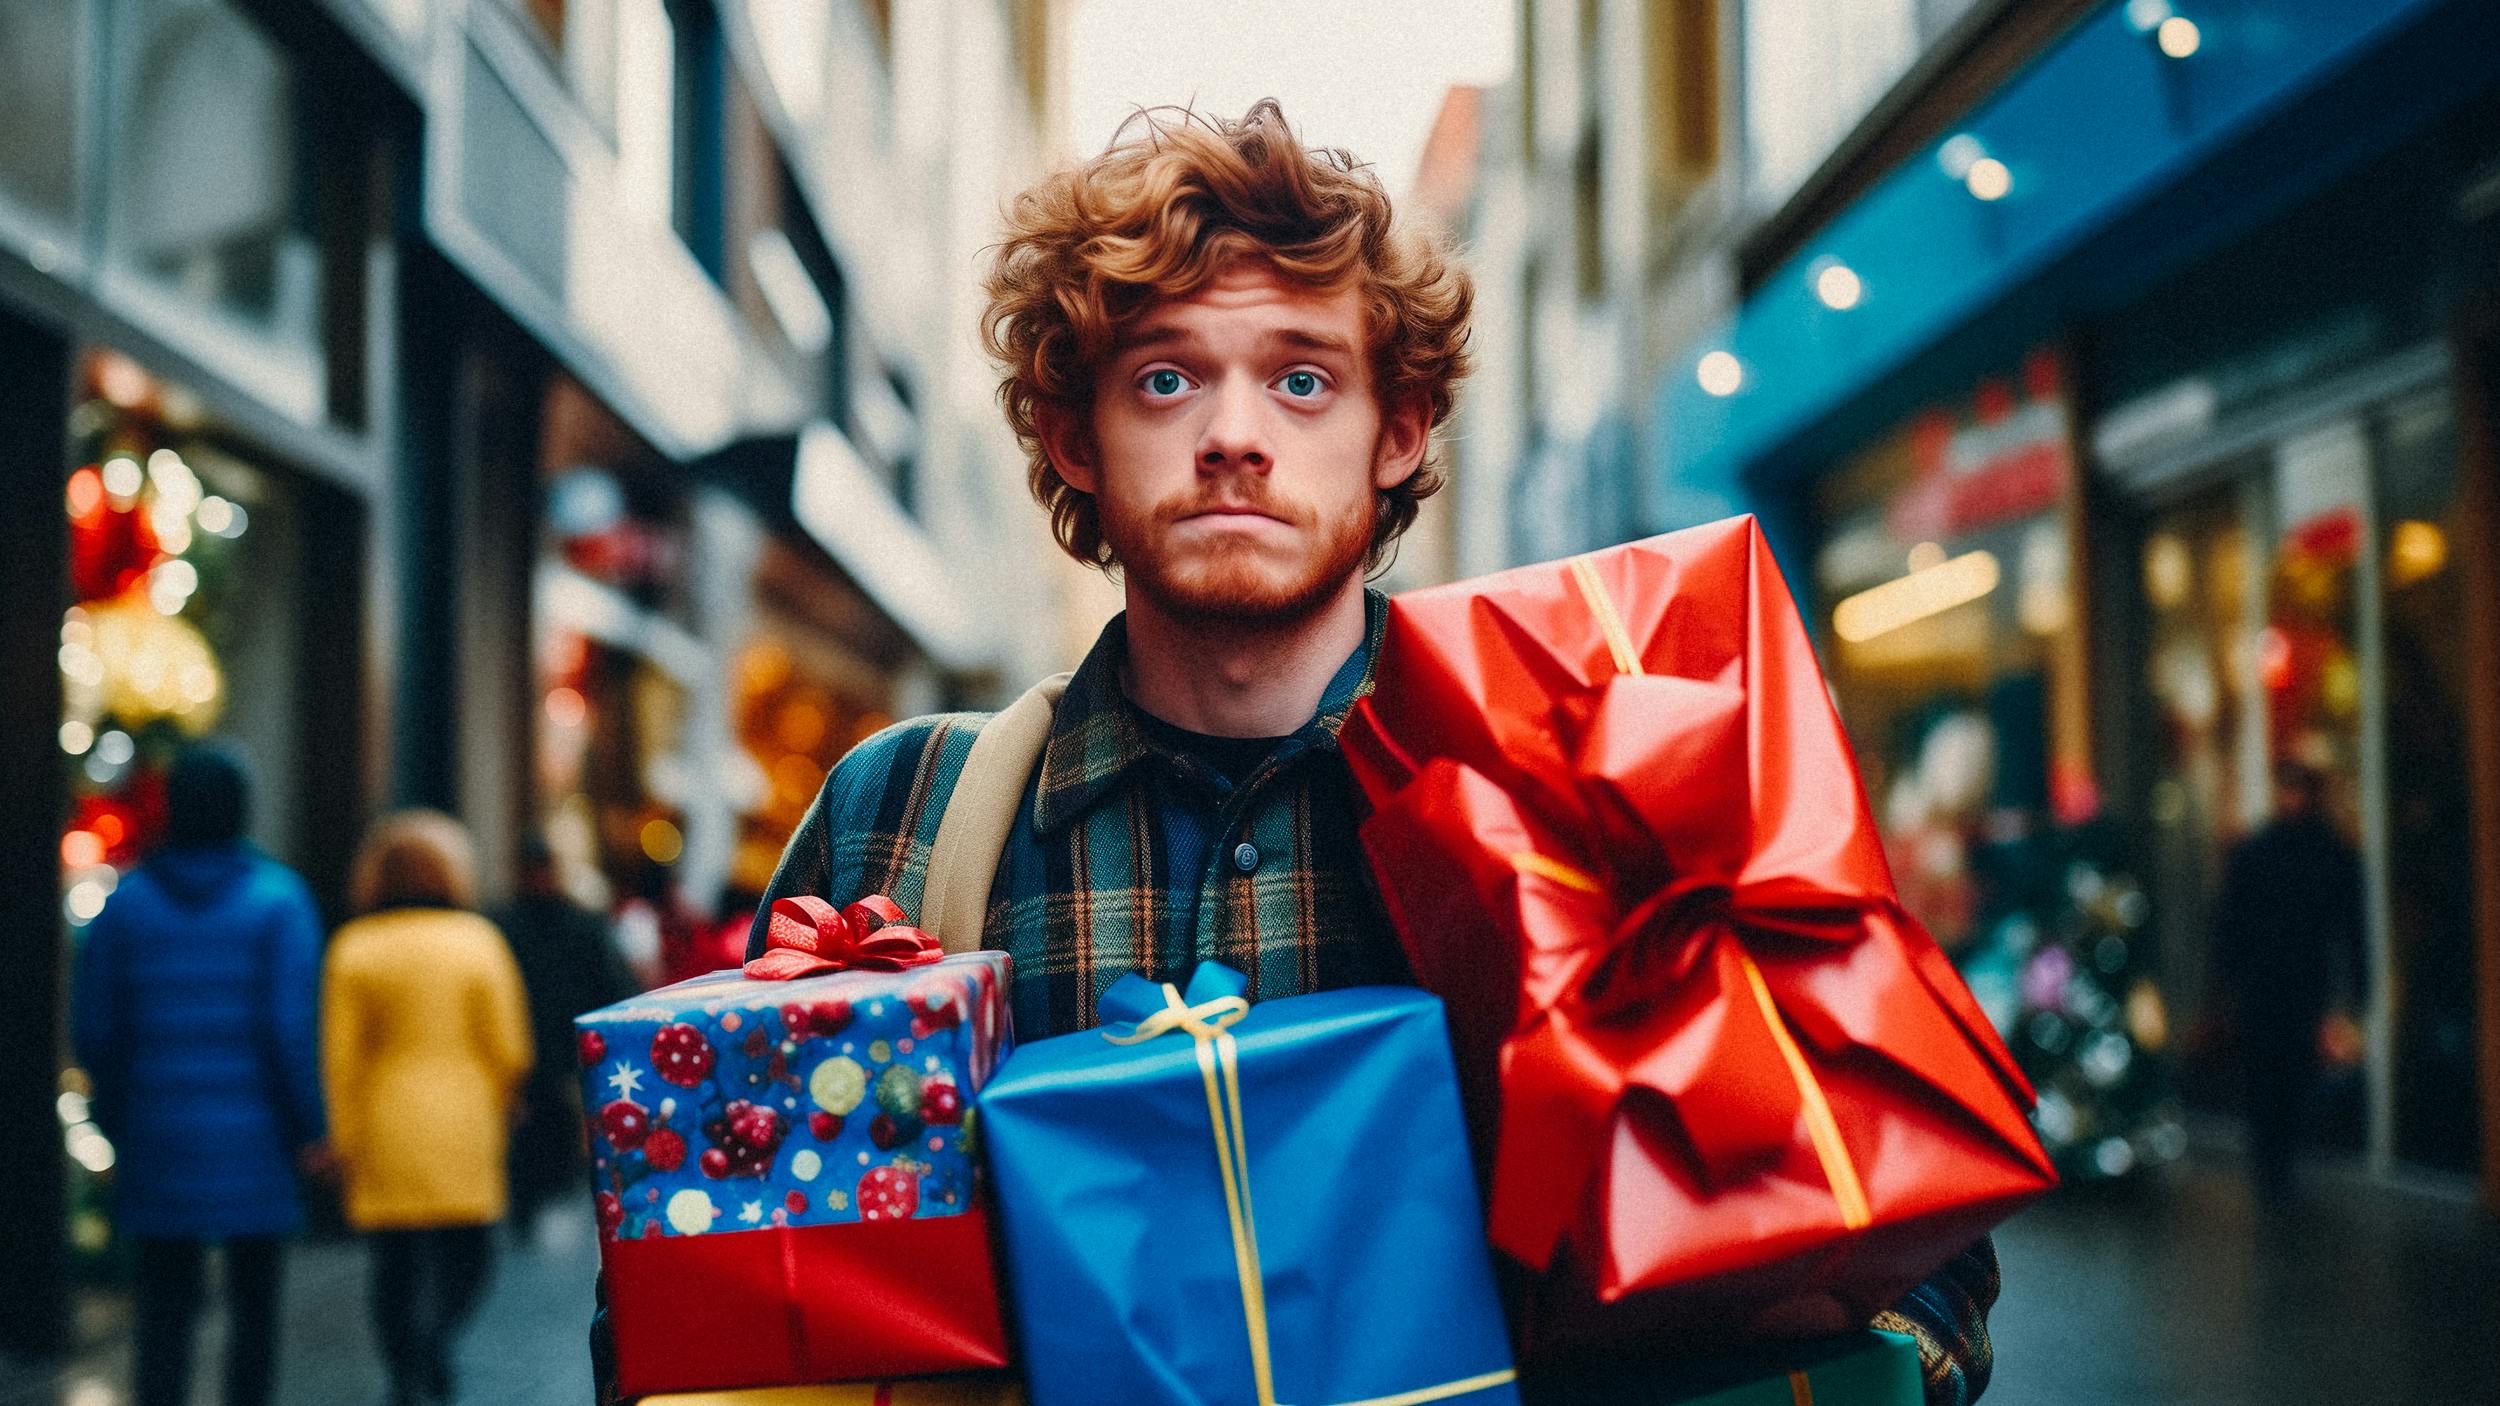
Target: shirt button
pixel 1245 856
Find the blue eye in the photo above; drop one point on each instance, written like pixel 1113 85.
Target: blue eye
pixel 1302 385
pixel 1165 382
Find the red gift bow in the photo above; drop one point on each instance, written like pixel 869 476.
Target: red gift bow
pixel 808 935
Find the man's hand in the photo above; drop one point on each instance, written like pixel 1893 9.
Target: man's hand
pixel 1805 1316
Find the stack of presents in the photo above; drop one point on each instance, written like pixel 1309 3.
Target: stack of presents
pixel 1678 1059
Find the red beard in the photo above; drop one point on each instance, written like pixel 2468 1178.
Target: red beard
pixel 1232 581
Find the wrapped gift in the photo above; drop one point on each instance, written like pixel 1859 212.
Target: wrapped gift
pixel 1714 1064
pixel 1210 1203
pixel 970 1389
pixel 783 1160
pixel 1853 1369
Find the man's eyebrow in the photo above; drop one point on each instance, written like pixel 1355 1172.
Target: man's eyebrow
pixel 1152 339
pixel 1315 341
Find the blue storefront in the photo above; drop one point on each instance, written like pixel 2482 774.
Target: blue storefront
pixel 2136 437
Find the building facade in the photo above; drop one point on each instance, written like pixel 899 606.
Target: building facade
pixel 2114 381
pixel 567 413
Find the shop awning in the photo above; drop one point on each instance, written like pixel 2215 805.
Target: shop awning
pixel 2113 159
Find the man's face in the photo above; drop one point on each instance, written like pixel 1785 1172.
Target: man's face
pixel 1238 447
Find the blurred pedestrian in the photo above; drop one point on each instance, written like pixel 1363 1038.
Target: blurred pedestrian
pixel 194 1015
pixel 425 1040
pixel 569 964
pixel 2287 937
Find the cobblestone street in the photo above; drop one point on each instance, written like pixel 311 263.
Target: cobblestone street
pixel 2172 1292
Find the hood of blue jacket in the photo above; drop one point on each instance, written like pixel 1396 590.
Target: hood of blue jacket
pixel 196 878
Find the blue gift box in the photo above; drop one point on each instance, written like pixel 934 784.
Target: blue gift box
pixel 1210 1203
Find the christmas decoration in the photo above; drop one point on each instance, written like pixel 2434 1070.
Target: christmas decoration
pixel 2064 968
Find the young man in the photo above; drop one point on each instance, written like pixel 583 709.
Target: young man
pixel 1225 364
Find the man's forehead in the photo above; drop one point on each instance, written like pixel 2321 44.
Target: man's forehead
pixel 1254 300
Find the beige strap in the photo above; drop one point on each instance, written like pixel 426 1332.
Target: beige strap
pixel 963 859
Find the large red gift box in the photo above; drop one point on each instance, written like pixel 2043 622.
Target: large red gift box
pixel 1716 1065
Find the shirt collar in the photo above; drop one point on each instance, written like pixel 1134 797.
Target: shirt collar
pixel 1095 739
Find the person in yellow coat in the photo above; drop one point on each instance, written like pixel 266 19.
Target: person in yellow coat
pixel 425 1038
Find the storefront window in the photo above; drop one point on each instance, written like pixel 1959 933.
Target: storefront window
pixel 618 671
pixel 2205 607
pixel 180 626
pixel 1947 583
pixel 1945 575
pixel 2429 799
pixel 39 92
pixel 800 703
pixel 2306 610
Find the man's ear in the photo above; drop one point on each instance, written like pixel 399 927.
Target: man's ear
pixel 1405 433
pixel 1069 442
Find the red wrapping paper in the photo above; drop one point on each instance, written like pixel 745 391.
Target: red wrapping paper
pixel 1714 1065
pixel 804 1304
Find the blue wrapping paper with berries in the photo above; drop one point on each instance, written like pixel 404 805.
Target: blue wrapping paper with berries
pixel 758 1137
pixel 1207 1202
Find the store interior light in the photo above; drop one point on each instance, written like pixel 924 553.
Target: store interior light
pixel 2179 37
pixel 171 585
pixel 84 900
pixel 81 849
pixel 2415 550
pixel 1720 373
pixel 2169 570
pixel 86 492
pixel 1989 179
pixel 1905 600
pixel 1926 556
pixel 122 477
pixel 77 737
pixel 2145 16
pixel 662 842
pixel 1838 286
pixel 1959 153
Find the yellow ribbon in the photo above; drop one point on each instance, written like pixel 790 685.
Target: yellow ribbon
pixel 1821 1127
pixel 1800 1391
pixel 1219 1067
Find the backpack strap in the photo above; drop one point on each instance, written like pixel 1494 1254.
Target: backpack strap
pixel 972 833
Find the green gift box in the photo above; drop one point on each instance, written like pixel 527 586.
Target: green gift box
pixel 1856 1369
pixel 1867 1368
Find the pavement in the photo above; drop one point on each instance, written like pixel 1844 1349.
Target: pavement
pixel 2177 1290
pixel 2169 1291
pixel 527 1346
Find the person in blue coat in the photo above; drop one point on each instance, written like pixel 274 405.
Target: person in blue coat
pixel 195 1017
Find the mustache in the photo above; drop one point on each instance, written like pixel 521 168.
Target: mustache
pixel 1250 493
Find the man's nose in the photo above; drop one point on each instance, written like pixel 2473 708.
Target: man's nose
pixel 1236 433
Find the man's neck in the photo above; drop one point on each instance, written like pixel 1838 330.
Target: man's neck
pixel 1230 680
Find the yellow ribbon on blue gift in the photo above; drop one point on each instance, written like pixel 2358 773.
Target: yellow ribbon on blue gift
pixel 1219 1066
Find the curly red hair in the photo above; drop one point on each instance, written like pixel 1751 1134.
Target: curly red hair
pixel 1160 214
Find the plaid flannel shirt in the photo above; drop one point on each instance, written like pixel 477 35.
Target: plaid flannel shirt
pixel 1087 889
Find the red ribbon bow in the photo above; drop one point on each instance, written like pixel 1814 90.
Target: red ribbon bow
pixel 807 936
